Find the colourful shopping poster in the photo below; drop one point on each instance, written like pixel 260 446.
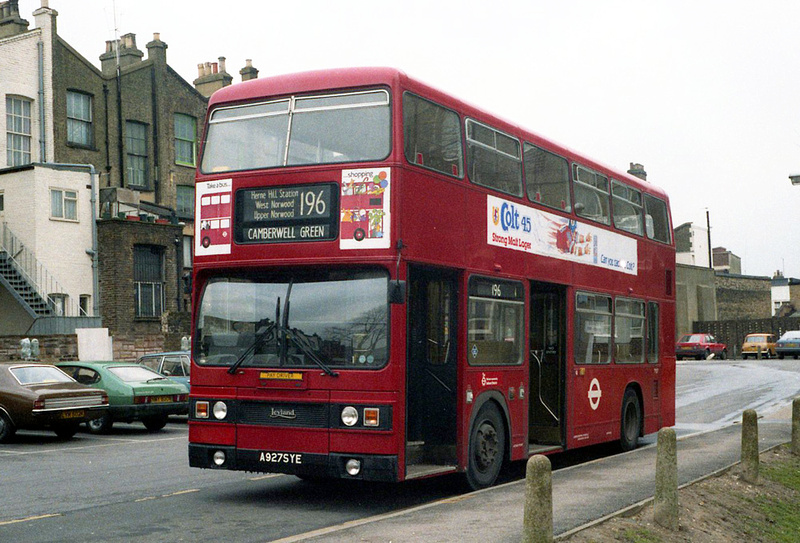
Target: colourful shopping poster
pixel 365 217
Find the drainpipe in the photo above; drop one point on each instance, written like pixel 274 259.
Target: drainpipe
pixel 42 138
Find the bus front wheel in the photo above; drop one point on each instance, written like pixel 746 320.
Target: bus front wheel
pixel 487 443
pixel 631 422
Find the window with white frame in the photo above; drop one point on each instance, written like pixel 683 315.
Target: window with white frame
pixel 148 280
pixel 79 118
pixel 18 131
pixel 64 204
pixel 185 140
pixel 136 150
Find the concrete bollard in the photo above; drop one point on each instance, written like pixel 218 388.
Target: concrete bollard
pixel 665 502
pixel 796 426
pixel 750 446
pixel 538 520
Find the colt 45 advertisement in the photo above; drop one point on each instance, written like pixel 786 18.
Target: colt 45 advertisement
pixel 534 231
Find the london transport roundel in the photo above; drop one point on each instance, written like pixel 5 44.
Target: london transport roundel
pixel 594 394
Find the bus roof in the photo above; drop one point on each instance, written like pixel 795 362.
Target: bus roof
pixel 351 78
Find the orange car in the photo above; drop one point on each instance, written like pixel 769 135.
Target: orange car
pixel 753 343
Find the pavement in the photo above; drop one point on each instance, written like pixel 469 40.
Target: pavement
pixel 583 494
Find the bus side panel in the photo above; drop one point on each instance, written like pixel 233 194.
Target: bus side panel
pixel 432 211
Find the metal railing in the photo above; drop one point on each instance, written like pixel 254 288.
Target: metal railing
pixel 45 285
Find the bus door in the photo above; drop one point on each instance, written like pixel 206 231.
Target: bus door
pixel 431 372
pixel 548 362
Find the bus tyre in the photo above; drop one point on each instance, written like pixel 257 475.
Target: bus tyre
pixel 631 422
pixel 487 442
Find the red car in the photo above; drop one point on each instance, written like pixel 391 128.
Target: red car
pixel 37 396
pixel 700 346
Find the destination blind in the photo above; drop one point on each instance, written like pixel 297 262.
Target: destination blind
pixel 287 214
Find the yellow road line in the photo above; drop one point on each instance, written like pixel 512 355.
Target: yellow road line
pixel 26 519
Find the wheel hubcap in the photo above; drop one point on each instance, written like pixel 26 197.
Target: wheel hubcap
pixel 486 446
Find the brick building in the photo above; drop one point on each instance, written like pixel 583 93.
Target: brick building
pixel 102 161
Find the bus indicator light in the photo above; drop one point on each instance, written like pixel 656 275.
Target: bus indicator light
pixel 371 416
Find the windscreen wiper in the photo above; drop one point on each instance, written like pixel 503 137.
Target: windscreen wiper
pixel 296 338
pixel 260 338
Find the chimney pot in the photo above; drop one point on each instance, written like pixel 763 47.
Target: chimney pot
pixel 214 68
pixel 156 36
pixel 221 64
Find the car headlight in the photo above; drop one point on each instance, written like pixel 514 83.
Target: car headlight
pixel 349 416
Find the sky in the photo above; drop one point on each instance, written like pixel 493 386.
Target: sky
pixel 704 93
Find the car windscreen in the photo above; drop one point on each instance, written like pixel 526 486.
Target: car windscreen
pixel 694 338
pixel 30 375
pixel 131 374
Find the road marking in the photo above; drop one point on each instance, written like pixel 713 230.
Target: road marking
pixel 110 442
pixel 27 519
pixel 268 476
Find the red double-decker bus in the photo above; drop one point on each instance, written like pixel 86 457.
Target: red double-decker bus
pixel 413 286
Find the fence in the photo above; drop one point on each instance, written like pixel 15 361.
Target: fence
pixel 733 332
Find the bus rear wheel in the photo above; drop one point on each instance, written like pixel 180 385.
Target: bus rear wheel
pixel 631 422
pixel 487 443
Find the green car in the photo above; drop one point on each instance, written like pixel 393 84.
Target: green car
pixel 135 392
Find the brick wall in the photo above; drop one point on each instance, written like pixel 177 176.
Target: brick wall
pixel 51 348
pixel 743 297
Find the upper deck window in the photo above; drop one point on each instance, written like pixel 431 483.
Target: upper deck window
pixel 656 219
pixel 432 136
pixel 547 177
pixel 493 159
pixel 591 194
pixel 299 130
pixel 627 204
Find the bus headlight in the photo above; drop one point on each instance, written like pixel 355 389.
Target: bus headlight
pixel 353 467
pixel 349 416
pixel 219 458
pixel 220 410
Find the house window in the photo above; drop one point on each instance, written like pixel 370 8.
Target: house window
pixel 79 118
pixel 18 131
pixel 185 204
pixel 185 138
pixel 64 204
pixel 84 302
pixel 148 280
pixel 136 146
pixel 188 243
pixel 58 303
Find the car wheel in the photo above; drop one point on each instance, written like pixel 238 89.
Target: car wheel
pixel 724 354
pixel 66 431
pixel 7 428
pixel 101 424
pixel 487 444
pixel 780 356
pixel 631 421
pixel 744 356
pixel 154 424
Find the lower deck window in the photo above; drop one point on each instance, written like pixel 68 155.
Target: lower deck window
pixel 592 329
pixel 496 334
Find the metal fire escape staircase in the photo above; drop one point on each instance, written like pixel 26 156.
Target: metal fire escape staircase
pixel 25 277
pixel 37 291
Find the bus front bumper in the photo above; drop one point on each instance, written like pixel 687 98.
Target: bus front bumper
pixel 371 467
